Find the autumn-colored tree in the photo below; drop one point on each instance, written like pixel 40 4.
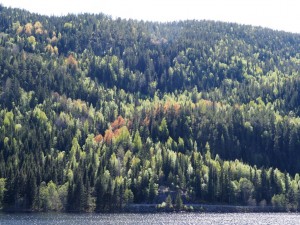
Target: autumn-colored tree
pixel 98 138
pixel 28 29
pixel 118 123
pixel 109 135
pixel 71 62
pixel 38 28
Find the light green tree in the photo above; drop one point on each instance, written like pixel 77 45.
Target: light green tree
pixel 2 190
pixel 137 142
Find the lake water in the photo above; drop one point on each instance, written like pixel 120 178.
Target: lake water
pixel 163 218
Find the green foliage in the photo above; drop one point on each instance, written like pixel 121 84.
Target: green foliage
pixel 279 201
pixel 178 202
pixel 246 188
pixel 97 113
pixel 137 142
pixel 48 198
pixel 163 130
pixel 68 25
pixel 2 190
pixel 169 202
pixel 128 196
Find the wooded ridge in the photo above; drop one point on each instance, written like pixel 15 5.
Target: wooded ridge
pixel 97 113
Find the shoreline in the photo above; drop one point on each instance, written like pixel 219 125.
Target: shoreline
pixel 187 208
pixel 204 208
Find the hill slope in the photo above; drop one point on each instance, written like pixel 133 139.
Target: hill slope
pixel 98 113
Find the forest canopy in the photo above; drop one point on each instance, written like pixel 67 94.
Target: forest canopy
pixel 98 113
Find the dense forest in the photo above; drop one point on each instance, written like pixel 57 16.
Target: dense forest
pixel 98 113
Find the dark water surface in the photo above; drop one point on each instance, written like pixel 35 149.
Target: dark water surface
pixel 149 218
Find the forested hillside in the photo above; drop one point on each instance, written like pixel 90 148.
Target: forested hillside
pixel 97 113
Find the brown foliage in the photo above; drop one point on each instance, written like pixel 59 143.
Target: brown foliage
pixel 118 123
pixel 71 61
pixel 168 106
pixel 146 121
pixel 109 135
pixel 19 30
pixel 39 31
pixel 28 29
pixel 38 25
pixel 117 132
pixel 98 138
pixel 49 49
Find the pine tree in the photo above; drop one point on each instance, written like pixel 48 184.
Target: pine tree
pixel 178 202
